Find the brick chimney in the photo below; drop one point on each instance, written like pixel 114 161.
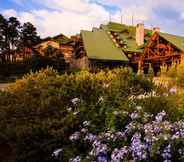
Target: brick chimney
pixel 156 29
pixel 140 34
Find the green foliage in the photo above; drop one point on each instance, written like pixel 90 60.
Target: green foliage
pixel 180 74
pixel 28 35
pixel 13 36
pixel 37 113
pixel 175 72
pixel 40 62
pixel 172 104
pixel 150 72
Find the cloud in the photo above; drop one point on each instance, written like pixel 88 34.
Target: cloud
pixel 9 13
pixel 66 16
pixel 145 9
pixel 70 16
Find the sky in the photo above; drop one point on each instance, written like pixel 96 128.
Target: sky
pixel 52 17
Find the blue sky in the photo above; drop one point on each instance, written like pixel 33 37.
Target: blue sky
pixel 70 16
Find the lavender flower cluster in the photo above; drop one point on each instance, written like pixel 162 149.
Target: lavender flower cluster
pixel 152 139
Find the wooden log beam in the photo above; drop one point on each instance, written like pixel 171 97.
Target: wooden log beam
pixel 162 57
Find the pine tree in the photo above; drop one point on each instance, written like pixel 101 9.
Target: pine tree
pixel 28 36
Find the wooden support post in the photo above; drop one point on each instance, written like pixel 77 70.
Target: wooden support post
pixel 140 70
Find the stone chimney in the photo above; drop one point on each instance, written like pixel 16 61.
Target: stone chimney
pixel 140 34
pixel 156 29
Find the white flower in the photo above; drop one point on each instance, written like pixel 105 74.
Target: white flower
pixel 75 100
pixel 101 99
pixel 75 136
pixel 138 107
pixel 160 116
pixel 76 159
pixel 115 112
pixel 57 152
pixel 75 113
pixel 106 85
pixel 86 123
pixel 173 90
pixel 69 109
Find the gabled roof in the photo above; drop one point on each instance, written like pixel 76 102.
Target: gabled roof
pixel 60 38
pixel 127 34
pixel 177 41
pixel 99 46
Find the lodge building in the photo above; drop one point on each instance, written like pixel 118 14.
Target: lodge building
pixel 117 44
pixel 60 42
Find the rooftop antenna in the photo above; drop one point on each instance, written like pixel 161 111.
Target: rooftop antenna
pixel 151 26
pixel 132 19
pixel 109 17
pixel 121 18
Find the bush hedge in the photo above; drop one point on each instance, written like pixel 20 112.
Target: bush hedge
pixel 39 112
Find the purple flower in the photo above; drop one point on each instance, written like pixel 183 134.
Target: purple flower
pixel 138 148
pixel 98 148
pixel 134 115
pixel 148 142
pixel 167 154
pixel 160 116
pixel 181 152
pixel 102 157
pixel 120 135
pixel 119 154
pixel 90 137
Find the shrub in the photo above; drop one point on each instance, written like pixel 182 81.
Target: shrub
pixel 40 111
pixel 175 72
pixel 170 104
pixel 144 138
pixel 39 62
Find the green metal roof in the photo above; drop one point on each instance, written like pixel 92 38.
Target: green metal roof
pixel 60 38
pixel 127 33
pixel 98 45
pixel 177 41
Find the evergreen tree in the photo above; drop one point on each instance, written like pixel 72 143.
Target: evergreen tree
pixel 28 37
pixel 3 37
pixel 13 36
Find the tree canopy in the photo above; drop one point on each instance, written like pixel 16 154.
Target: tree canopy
pixel 15 36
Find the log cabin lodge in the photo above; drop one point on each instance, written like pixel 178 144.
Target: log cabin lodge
pixel 117 44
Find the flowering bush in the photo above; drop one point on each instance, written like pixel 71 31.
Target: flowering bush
pixel 40 112
pixel 173 104
pixel 145 138
pixel 175 74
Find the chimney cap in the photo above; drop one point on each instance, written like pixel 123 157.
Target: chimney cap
pixel 156 29
pixel 140 24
